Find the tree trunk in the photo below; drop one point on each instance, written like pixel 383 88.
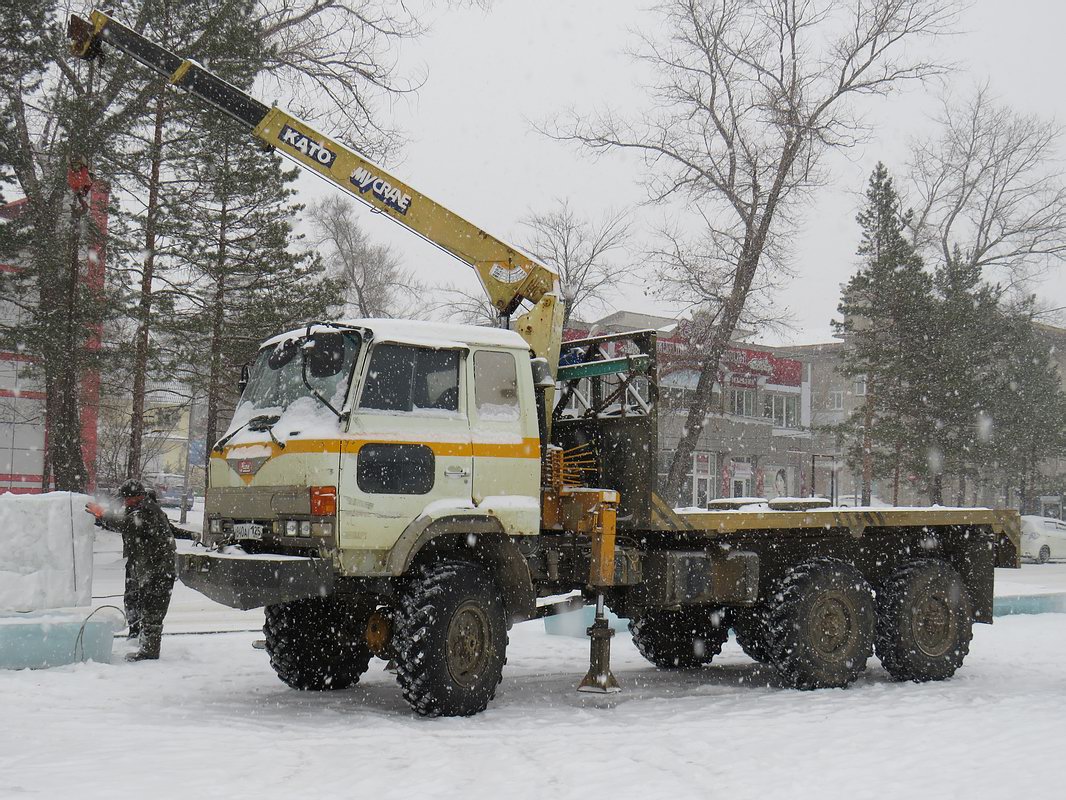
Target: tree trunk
pixel 64 423
pixel 188 465
pixel 701 404
pixel 756 231
pixel 144 306
pixel 895 476
pixel 697 418
pixel 867 447
pixel 214 388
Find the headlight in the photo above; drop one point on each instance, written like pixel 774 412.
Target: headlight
pixel 1032 537
pixel 305 527
pixel 215 526
pixel 291 527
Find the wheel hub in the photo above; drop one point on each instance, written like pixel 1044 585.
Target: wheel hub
pixel 932 624
pixel 831 626
pixel 468 639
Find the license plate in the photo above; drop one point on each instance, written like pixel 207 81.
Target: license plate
pixel 249 530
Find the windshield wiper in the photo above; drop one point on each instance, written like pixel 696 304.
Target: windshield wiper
pixel 266 423
pixel 263 422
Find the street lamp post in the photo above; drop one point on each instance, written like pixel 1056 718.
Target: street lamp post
pixel 188 445
pixel 832 473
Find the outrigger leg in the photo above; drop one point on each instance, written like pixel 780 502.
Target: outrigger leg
pixel 599 678
pixel 601 574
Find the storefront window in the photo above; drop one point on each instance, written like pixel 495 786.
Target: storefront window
pixel 783 409
pixel 742 402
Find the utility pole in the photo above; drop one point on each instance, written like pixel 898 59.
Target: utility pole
pixel 188 445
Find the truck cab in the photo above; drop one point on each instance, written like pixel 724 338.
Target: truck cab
pixel 351 438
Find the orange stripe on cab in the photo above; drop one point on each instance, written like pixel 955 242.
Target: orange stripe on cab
pixel 527 448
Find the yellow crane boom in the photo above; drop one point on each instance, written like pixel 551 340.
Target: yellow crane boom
pixel 509 276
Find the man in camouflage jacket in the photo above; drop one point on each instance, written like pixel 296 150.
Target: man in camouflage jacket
pixel 148 544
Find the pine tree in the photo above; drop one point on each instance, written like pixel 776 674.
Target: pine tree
pixel 62 113
pixel 51 120
pixel 1027 410
pixel 967 352
pixel 247 279
pixel 226 39
pixel 885 309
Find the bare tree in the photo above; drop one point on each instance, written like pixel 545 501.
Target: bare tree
pixel 466 307
pixel 374 280
pixel 749 95
pixel 590 257
pixel 695 275
pixel 990 190
pixel 335 59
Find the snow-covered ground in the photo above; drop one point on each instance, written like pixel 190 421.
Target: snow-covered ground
pixel 211 720
pixel 1031 579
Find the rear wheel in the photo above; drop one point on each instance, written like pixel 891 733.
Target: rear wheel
pixel 681 639
pixel 317 643
pixel 449 639
pixel 924 622
pixel 1044 555
pixel 821 626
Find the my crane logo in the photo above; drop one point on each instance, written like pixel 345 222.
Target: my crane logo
pixel 363 179
pixel 308 146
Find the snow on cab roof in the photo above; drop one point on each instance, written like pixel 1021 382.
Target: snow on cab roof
pixel 409 331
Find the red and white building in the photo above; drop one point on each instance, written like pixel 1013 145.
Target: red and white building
pixel 23 428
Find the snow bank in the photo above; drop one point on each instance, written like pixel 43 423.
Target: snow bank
pixel 46 551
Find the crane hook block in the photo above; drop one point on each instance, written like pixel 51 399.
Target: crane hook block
pixel 84 41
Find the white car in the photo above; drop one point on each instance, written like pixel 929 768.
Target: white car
pixel 1043 539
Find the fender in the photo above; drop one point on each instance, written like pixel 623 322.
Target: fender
pixel 471 533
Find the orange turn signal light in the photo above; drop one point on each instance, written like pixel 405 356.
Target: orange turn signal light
pixel 323 501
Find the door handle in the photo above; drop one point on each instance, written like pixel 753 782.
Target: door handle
pixel 456 472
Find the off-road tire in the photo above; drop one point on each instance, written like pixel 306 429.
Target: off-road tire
pixel 1044 556
pixel 821 625
pixel 924 622
pixel 317 644
pixel 450 639
pixel 682 639
pixel 752 627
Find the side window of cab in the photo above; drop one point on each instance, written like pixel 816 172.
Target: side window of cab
pixel 407 379
pixel 496 386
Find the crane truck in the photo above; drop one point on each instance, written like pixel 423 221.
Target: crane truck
pixel 410 490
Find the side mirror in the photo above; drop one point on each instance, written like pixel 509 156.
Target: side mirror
pixel 542 376
pixel 243 382
pixel 327 355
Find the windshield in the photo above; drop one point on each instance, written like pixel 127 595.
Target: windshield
pixel 276 379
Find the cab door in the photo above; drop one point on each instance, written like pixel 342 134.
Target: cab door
pixel 506 442
pixel 408 443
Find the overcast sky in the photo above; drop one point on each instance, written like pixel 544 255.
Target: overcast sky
pixel 491 73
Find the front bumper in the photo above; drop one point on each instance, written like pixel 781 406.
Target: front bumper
pixel 244 580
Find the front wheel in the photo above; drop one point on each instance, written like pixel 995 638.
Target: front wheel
pixel 1044 555
pixel 317 644
pixel 450 639
pixel 924 622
